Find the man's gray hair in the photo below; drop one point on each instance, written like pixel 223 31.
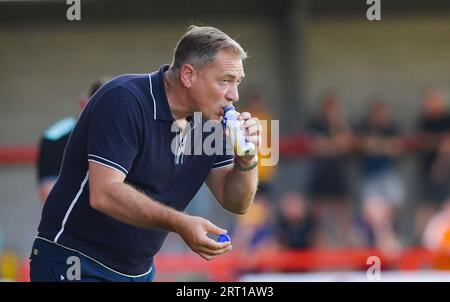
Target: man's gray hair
pixel 200 45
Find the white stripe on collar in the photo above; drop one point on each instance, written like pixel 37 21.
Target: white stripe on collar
pixel 153 97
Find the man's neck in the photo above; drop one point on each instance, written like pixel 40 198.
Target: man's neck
pixel 176 97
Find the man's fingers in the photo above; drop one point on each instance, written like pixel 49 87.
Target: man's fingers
pixel 213 229
pixel 214 245
pixel 255 140
pixel 205 256
pixel 209 248
pixel 224 250
pixel 244 116
pixel 214 252
pixel 252 130
pixel 250 122
pixel 252 126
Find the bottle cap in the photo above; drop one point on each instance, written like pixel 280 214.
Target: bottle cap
pixel 224 238
pixel 228 108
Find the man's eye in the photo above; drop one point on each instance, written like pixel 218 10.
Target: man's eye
pixel 225 81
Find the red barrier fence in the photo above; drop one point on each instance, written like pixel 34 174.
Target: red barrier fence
pixel 297 145
pixel 19 154
pixel 228 267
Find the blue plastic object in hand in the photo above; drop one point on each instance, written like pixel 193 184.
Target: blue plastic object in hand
pixel 224 238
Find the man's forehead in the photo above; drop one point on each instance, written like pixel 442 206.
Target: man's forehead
pixel 230 67
pixel 229 60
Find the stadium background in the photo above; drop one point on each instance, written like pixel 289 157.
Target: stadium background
pixel 299 51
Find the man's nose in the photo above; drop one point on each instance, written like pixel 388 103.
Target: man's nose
pixel 232 94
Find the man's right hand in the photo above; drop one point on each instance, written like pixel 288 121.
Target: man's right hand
pixel 194 231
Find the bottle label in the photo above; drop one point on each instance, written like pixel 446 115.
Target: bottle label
pixel 236 135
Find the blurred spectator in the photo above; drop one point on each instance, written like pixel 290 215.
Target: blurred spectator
pixel 257 106
pixel 255 230
pixel 295 223
pixel 441 165
pixel 382 190
pixel 329 187
pixel 436 237
pixel 434 128
pixel 52 145
pixel 1 238
pixel 9 266
pixel 377 225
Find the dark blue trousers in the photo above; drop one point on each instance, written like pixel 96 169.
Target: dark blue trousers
pixel 50 262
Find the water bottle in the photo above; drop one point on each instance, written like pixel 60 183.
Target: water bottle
pixel 236 134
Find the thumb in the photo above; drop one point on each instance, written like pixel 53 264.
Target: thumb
pixel 213 229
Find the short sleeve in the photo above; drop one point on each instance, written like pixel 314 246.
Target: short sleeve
pixel 115 126
pixel 224 159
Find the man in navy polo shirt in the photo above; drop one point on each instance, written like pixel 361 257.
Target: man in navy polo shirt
pixel 121 188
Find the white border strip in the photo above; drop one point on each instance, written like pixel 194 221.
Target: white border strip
pixel 74 201
pixel 224 161
pixel 90 154
pixel 153 97
pixel 231 163
pixel 108 166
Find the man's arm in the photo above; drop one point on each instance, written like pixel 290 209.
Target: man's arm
pixel 48 165
pixel 110 195
pixel 235 189
pixel 44 189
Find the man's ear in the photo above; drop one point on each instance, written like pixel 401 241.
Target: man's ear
pixel 187 75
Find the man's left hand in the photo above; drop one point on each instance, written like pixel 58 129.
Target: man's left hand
pixel 252 129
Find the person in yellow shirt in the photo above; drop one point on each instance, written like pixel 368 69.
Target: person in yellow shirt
pixel 436 238
pixel 257 106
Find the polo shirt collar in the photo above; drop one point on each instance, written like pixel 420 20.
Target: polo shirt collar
pixel 161 108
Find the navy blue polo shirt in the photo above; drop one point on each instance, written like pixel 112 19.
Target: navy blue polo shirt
pixel 126 126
